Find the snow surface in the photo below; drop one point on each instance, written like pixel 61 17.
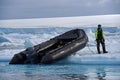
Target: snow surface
pixel 84 21
pixel 18 41
pixel 16 35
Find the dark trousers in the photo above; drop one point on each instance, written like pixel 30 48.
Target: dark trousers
pixel 103 46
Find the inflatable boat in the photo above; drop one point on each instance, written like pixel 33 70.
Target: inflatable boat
pixel 54 49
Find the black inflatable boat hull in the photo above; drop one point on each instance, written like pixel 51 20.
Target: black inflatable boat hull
pixel 47 52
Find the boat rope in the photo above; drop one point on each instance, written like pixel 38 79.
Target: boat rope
pixel 90 49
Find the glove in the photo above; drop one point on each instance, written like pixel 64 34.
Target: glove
pixel 96 40
pixel 103 40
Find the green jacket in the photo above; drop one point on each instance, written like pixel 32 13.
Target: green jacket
pixel 96 34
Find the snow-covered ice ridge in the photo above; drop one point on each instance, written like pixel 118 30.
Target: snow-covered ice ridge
pixel 84 21
pixel 15 40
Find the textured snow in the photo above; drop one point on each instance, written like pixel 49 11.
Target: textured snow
pixel 25 33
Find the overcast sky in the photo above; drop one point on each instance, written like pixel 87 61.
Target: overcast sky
pixel 22 9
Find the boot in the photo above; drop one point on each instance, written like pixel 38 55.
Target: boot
pixel 104 50
pixel 99 52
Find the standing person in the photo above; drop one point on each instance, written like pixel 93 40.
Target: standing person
pixel 99 35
